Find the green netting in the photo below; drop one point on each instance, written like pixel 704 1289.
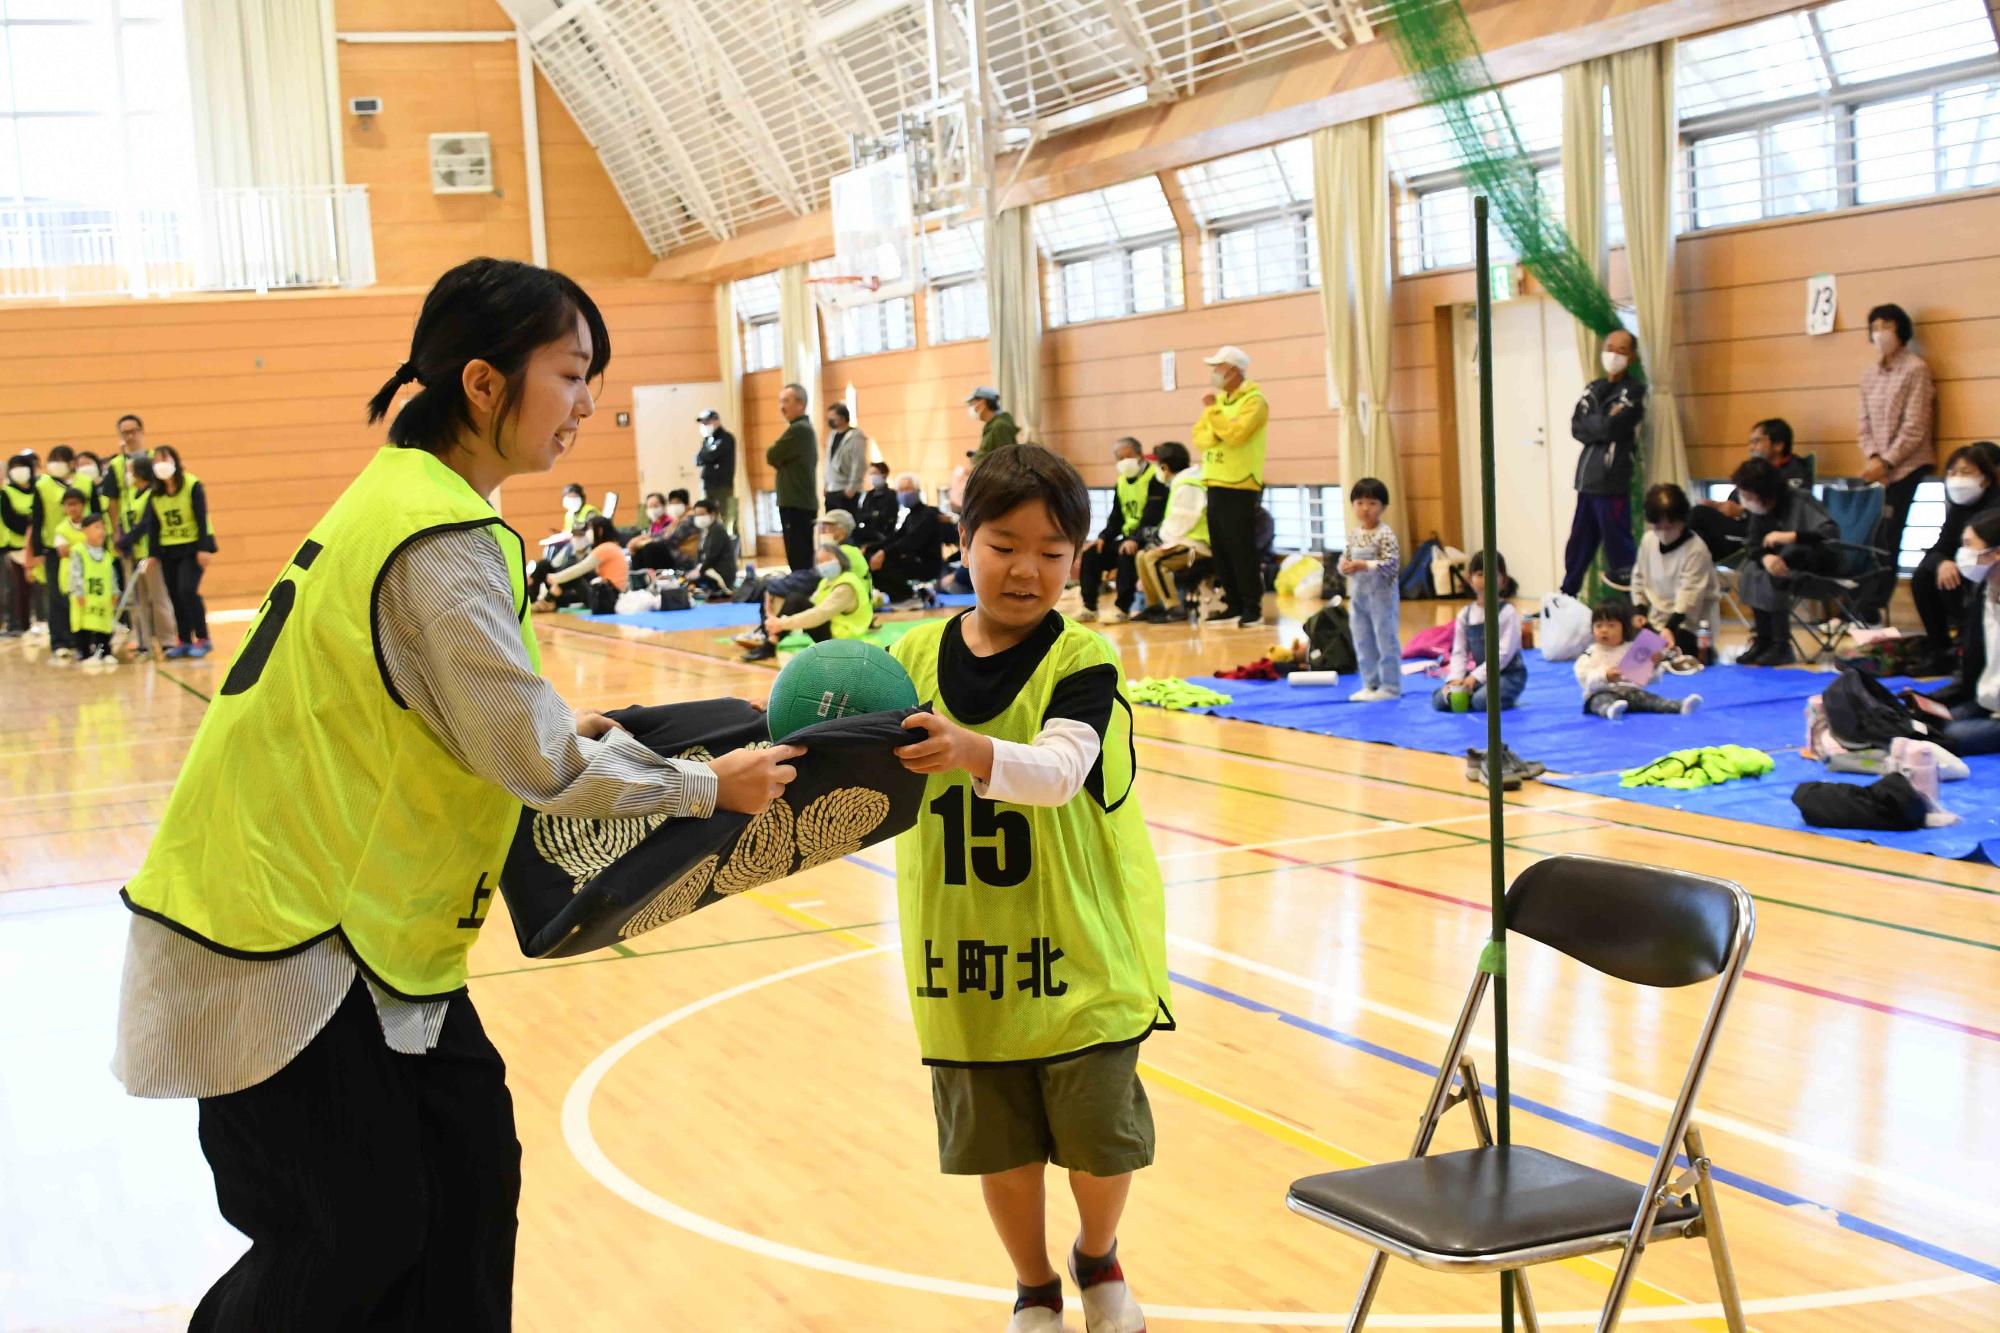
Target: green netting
pixel 1437 49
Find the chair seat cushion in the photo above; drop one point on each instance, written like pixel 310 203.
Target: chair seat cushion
pixel 1482 1201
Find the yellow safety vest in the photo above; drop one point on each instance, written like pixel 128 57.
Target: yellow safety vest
pixel 1184 478
pixel 1132 499
pixel 70 535
pixel 94 606
pixel 1031 933
pixel 175 513
pixel 131 513
pixel 313 801
pixel 22 502
pixel 1231 466
pixel 51 492
pixel 849 624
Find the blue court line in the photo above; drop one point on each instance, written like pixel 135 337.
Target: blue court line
pixel 1748 1184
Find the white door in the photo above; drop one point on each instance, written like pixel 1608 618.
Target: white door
pixel 1534 374
pixel 664 429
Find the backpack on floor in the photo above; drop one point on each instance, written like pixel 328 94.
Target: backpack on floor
pixel 1330 634
pixel 1863 715
pixel 1415 579
pixel 1565 627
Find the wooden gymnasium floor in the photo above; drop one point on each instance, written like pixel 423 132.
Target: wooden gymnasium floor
pixel 726 1127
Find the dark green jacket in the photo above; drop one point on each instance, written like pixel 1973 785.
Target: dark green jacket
pixel 794 456
pixel 999 433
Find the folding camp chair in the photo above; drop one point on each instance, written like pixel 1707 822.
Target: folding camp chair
pixel 1864 575
pixel 1504 1209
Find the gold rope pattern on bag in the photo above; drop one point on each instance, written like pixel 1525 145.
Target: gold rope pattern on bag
pixel 582 848
pixel 672 902
pixel 838 823
pixel 762 854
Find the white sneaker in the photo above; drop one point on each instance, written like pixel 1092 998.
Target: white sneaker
pixel 1615 710
pixel 1036 1319
pixel 1689 704
pixel 1117 617
pixel 1108 1306
pixel 1086 616
pixel 1366 696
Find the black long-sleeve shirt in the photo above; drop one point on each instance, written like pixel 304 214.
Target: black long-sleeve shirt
pixel 876 518
pixel 1606 423
pixel 716 460
pixel 918 542
pixel 1797 512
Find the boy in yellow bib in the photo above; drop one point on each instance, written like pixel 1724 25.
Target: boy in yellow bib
pixel 91 577
pixel 1033 921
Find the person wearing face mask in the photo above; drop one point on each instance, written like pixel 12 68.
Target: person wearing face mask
pixel 678 542
pixel 794 455
pixel 45 518
pixel 1969 706
pixel 1721 524
pixel 791 592
pixel 913 552
pixel 152 608
pixel 715 561
pixel 1138 502
pixel 876 517
pixel 657 521
pixel 1790 534
pixel 1606 423
pixel 996 428
pixel 1674 584
pixel 297 952
pixel 1971 488
pixel 576 509
pixel 176 524
pixel 1230 436
pixel 843 605
pixel 1897 427
pixel 846 460
pixel 17 515
pixel 716 461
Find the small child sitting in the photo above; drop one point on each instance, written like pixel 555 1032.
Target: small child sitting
pixel 1472 645
pixel 1599 672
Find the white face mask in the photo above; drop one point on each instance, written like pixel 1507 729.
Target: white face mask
pixel 1963 490
pixel 571 503
pixel 58 469
pixel 708 431
pixel 1615 363
pixel 654 511
pixel 972 410
pixel 676 510
pixel 1970 565
pixel 701 522
pixel 827 569
pixel 1218 378
pixel 1128 468
pixel 1884 340
pixel 876 483
pixel 163 471
pixel 87 472
pixel 1751 505
pixel 19 474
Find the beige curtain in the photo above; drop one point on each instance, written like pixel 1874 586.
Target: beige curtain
pixel 798 329
pixel 729 369
pixel 1583 185
pixel 1351 212
pixel 1644 135
pixel 263 121
pixel 1014 299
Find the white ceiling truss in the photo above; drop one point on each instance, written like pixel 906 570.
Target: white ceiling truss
pixel 711 115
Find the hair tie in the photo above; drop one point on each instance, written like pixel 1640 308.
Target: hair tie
pixel 407 372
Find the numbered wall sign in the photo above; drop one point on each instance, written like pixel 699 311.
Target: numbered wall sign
pixel 1820 303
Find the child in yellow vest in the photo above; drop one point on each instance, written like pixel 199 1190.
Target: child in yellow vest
pixel 64 539
pixel 1033 921
pixel 92 578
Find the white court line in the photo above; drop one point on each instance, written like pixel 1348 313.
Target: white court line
pixel 1388 826
pixel 1652 1101
pixel 63 793
pixel 594 1160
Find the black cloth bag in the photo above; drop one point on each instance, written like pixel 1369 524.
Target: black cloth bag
pixel 576 885
pixel 1890 803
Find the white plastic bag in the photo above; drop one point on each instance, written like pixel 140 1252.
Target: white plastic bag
pixel 640 599
pixel 1565 628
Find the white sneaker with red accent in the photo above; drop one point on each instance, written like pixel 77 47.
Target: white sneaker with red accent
pixel 1108 1306
pixel 1036 1319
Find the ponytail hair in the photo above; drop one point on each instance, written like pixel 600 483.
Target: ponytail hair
pixel 493 310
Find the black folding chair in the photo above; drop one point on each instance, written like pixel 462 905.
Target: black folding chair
pixel 1864 572
pixel 1494 1209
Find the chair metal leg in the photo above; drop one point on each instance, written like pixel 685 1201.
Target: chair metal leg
pixel 1524 1302
pixel 1365 1298
pixel 1711 1226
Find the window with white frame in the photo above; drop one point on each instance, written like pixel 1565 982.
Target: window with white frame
pixel 1846 104
pixel 94 121
pixel 756 301
pixel 1306 518
pixel 1111 252
pixel 766 508
pixel 1256 216
pixel 955 274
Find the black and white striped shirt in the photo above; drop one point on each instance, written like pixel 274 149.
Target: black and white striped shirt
pixel 196 1023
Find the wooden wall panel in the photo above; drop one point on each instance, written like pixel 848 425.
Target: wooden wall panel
pixel 265 398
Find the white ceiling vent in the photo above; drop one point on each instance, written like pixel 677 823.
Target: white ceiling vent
pixel 461 164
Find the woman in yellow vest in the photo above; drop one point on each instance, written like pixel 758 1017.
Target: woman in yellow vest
pixel 176 524
pixel 297 952
pixel 17 512
pixel 843 605
pixel 152 609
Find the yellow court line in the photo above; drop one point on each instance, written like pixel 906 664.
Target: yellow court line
pixel 1643 1292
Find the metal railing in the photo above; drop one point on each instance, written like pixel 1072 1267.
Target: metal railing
pixel 240 239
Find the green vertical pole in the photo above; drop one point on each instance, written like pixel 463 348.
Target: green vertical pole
pixel 1494 959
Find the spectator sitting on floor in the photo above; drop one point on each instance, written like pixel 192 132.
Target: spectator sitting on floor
pixel 603 559
pixel 914 551
pixel 674 547
pixel 1973 699
pixel 1674 585
pixel 789 593
pixel 1788 536
pixel 715 563
pixel 876 518
pixel 1971 488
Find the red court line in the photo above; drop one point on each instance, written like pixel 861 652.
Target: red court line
pixel 1893 1010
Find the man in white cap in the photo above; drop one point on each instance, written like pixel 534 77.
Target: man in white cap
pixel 997 428
pixel 716 461
pixel 1229 436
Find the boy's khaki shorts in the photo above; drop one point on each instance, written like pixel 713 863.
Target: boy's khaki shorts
pixel 1088 1114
